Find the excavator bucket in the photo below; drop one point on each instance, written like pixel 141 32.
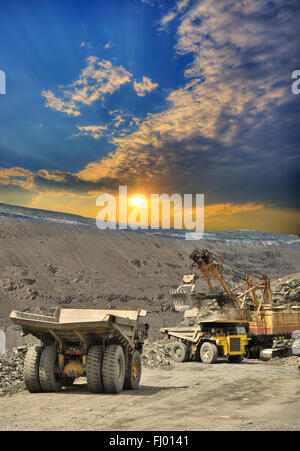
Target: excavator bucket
pixel 182 296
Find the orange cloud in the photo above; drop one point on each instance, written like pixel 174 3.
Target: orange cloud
pixel 17 176
pixel 98 78
pixel 230 209
pixel 145 86
pixel 96 131
pixel 55 103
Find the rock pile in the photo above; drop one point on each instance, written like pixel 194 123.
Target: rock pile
pixel 287 291
pixel 11 370
pixel 290 361
pixel 157 354
pixel 207 310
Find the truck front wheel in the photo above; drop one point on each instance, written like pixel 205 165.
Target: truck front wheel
pixel 208 352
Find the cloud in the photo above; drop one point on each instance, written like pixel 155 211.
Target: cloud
pixel 167 18
pixel 120 125
pixel 108 45
pixel 170 15
pixel 60 182
pixel 97 79
pixel 96 131
pixel 144 87
pixel 181 4
pixel 230 209
pixel 17 176
pixel 55 103
pixel 118 117
pixel 86 44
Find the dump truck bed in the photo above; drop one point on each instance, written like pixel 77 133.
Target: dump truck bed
pixel 75 325
pixel 184 333
pixel 192 333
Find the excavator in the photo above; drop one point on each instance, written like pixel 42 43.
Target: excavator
pixel 245 322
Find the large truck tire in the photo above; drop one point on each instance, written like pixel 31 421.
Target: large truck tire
pixel 113 369
pixel 31 369
pixel 208 352
pixel 50 380
pixel 132 380
pixel 179 351
pixel 94 369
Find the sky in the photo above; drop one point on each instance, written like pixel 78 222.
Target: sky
pixel 187 96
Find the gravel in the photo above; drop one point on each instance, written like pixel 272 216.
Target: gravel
pixel 157 354
pixel 11 370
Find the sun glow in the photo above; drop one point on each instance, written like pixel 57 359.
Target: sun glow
pixel 137 201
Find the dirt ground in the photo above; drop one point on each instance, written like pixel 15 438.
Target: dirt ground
pixel 252 395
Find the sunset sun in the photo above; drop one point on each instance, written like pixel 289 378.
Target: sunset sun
pixel 137 201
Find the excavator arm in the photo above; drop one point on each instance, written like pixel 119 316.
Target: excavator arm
pixel 210 270
pixel 185 297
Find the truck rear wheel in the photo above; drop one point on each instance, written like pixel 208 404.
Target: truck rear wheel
pixel 50 379
pixel 94 369
pixel 208 352
pixel 132 381
pixel 179 351
pixel 31 369
pixel 113 369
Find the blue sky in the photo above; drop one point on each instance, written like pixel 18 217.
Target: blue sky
pixel 180 96
pixel 45 44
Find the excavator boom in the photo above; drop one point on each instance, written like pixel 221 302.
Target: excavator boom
pixel 185 297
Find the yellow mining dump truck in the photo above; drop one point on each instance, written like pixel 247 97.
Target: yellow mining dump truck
pixel 102 345
pixel 209 340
